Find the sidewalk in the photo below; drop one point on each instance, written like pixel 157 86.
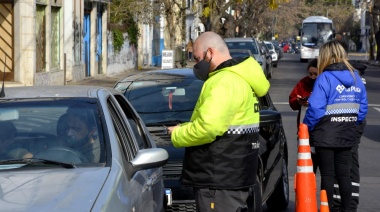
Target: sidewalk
pixel 363 58
pixel 109 81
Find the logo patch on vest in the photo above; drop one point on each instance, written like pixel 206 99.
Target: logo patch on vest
pixel 256 145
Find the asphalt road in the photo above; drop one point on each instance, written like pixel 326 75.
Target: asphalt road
pixel 288 73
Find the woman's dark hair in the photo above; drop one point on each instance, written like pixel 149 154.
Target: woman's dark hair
pixel 313 63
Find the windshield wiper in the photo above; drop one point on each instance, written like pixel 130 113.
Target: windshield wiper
pixel 36 161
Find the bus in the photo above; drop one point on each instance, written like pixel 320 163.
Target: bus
pixel 315 31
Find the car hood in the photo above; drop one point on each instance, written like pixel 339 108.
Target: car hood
pixel 51 190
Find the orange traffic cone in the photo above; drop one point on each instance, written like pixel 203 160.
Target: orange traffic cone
pixel 305 183
pixel 324 203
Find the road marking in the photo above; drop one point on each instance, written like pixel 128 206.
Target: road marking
pixel 286 103
pixel 280 103
pixel 376 108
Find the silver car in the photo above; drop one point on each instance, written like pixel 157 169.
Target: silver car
pixel 76 148
pixel 252 45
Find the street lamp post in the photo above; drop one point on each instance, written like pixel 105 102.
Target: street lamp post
pixel 274 25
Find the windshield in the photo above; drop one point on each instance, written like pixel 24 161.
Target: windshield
pixel 316 34
pixel 243 45
pixel 270 46
pixel 239 54
pixel 66 131
pixel 164 100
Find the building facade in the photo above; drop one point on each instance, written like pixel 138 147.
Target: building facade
pixel 50 42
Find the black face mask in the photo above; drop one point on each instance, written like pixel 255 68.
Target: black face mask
pixel 201 69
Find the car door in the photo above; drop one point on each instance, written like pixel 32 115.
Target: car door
pixel 271 144
pixel 153 189
pixel 134 191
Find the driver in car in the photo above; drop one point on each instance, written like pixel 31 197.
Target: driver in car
pixel 81 133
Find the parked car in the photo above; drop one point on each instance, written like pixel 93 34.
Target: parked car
pixel 86 150
pixel 251 44
pixel 241 53
pixel 278 49
pixel 168 97
pixel 273 53
pixel 268 56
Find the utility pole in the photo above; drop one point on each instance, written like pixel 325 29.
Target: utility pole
pixel 372 33
pixel 183 33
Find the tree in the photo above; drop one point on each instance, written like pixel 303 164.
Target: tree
pixel 123 18
pixel 236 17
pixel 290 15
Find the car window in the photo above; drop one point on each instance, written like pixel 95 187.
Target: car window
pixel 137 129
pixel 243 45
pixel 121 129
pixel 264 48
pixel 64 130
pixel 270 46
pixel 239 54
pixel 174 99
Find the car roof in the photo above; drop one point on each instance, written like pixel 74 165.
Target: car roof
pixel 238 39
pixel 161 74
pixel 240 50
pixel 29 92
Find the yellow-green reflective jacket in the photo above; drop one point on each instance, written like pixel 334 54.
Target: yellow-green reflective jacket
pixel 223 131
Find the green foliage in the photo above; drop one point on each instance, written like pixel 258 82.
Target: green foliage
pixel 118 40
pixel 122 21
pixel 132 30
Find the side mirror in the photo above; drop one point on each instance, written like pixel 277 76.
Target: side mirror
pixel 147 159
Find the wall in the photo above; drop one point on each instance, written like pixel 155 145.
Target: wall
pixel 124 60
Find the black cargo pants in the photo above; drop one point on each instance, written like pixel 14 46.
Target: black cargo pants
pixel 354 174
pixel 212 200
pixel 355 182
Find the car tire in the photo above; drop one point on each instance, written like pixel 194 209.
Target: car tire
pixel 279 199
pixel 303 60
pixel 275 65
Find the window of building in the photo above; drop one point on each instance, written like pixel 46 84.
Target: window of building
pixel 40 38
pixel 55 37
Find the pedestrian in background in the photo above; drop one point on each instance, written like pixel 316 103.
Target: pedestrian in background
pixel 338 37
pixel 337 104
pixel 221 139
pixel 377 38
pixel 301 92
pixel 189 49
pixel 298 98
